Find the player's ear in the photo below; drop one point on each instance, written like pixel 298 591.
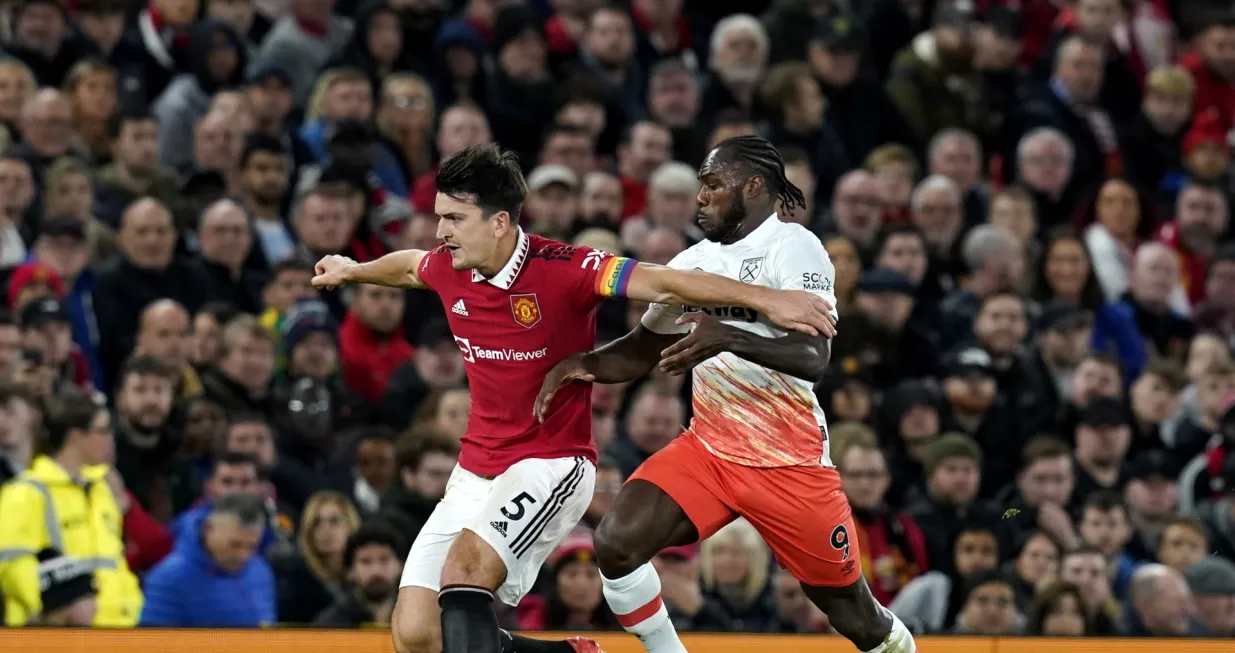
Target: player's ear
pixel 753 187
pixel 500 222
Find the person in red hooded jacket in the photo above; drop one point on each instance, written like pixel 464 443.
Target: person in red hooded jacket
pixel 1212 64
pixel 371 342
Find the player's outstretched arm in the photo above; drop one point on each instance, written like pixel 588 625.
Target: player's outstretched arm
pixel 624 359
pixel 395 270
pixel 795 310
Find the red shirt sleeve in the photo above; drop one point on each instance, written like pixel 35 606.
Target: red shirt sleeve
pixel 600 275
pixel 430 271
pixel 148 540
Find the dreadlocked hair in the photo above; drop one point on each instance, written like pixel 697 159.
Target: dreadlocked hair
pixel 758 155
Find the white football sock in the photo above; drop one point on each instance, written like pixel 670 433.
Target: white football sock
pixel 635 599
pixel 900 640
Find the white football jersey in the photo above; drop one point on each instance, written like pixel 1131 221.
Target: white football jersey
pixel 743 412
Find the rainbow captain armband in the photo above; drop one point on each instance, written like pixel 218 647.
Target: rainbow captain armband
pixel 614 275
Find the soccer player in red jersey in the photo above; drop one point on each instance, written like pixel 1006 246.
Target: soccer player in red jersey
pixel 757 446
pixel 517 304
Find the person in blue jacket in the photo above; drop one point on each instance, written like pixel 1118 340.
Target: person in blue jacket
pixel 214 578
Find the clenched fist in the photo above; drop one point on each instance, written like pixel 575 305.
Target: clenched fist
pixel 331 272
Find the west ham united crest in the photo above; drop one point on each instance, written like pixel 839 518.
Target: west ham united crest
pixel 526 309
pixel 750 269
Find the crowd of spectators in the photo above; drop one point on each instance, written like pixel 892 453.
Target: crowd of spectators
pixel 1030 397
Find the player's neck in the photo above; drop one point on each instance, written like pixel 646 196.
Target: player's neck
pixel 501 256
pixel 749 225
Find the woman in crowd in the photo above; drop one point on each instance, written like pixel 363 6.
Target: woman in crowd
pixel 1059 611
pixel 735 573
pixel 318 578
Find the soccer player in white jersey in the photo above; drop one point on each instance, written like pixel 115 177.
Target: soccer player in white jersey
pixel 757 446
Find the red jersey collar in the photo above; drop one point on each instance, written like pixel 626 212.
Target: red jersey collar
pixel 506 277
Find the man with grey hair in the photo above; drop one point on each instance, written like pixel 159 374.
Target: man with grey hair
pixel 225 238
pixel 739 55
pixel 1157 301
pixel 1212 581
pixel 957 155
pixel 1161 605
pixel 1069 103
pixel 1044 158
pixel 995 262
pixel 214 577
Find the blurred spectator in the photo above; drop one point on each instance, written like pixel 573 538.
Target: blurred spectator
pixel 1045 160
pixel 575 601
pixel 225 238
pixel 1212 582
pixel 854 211
pixel 1160 604
pixel 19 414
pixel 1183 543
pixel 655 418
pixel 240 380
pixel 373 560
pixel 214 577
pixel 645 146
pixel 735 565
pixel 609 481
pixel 436 367
pixel 147 442
pixel 164 333
pixel 1201 217
pixel 371 343
pixel 302 42
pixel 1152 494
pixel 317 578
pixel 990 606
pixel 424 462
pixel 933 600
pixel 1036 560
pixel 1086 568
pixel 78 445
pixel 996 264
pixel 1059 611
pixel 1153 142
pixel 893 547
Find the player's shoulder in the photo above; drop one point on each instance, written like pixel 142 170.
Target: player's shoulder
pixel 690 257
pixel 434 257
pixel 793 237
pixel 541 250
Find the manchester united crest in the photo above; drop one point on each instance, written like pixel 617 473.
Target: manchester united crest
pixel 526 309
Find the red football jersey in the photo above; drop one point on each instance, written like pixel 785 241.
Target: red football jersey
pixel 512 329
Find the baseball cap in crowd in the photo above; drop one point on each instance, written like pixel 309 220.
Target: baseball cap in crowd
pixel 1104 412
pixel 1005 22
pixel 1154 463
pixel 58 226
pixel 32 273
pixel 263 74
pixel 968 362
pixel 950 445
pixel 47 310
pixel 1211 576
pixel 1060 315
pixel 305 317
pixel 551 174
pixel 885 280
pixel 63 580
pixel 839 34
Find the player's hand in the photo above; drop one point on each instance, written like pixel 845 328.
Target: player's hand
pixel 331 272
pixel 707 338
pixel 570 370
pixel 798 310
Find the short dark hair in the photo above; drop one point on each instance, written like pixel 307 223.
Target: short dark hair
pixel 421 441
pixel 248 417
pixel 67 413
pixel 1189 522
pixel 780 87
pixel 222 312
pixel 118 120
pixel 485 175
pixel 233 459
pixel 1082 550
pixel 1043 447
pixel 370 534
pixel 580 88
pixel 1104 501
pixel 628 134
pixel 978 579
pixel 296 263
pixel 1104 358
pixel 263 143
pixel 143 365
pixel 248 510
pixel 898 229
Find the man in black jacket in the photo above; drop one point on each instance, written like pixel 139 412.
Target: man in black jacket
pixel 374 561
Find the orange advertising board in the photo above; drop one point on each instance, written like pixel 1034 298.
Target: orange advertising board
pixel 378 641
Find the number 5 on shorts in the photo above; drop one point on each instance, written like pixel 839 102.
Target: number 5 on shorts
pixel 840 540
pixel 517 509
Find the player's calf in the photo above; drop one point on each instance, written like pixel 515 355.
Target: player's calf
pixel 855 613
pixel 415 625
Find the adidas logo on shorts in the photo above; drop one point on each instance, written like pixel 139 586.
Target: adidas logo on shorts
pixel 499 526
pixel 459 308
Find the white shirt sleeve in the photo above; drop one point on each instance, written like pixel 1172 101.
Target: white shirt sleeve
pixel 801 263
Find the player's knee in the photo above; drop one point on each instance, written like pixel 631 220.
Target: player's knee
pixel 471 561
pixel 412 633
pixel 617 551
